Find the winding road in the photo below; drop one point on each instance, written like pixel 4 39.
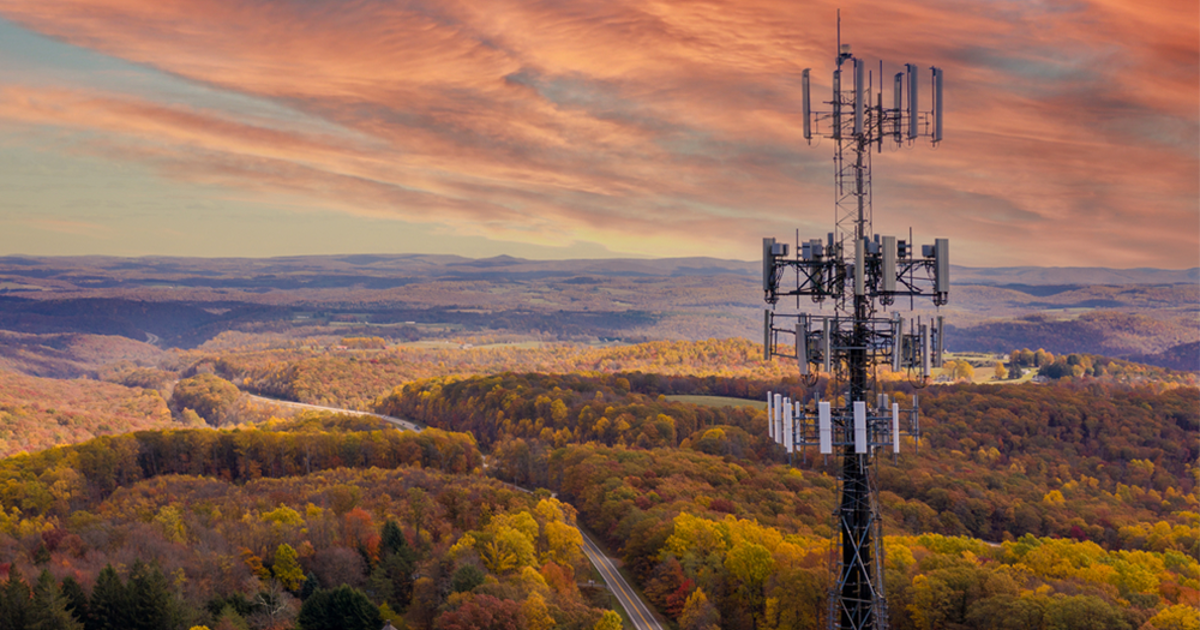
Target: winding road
pixel 637 609
pixel 403 425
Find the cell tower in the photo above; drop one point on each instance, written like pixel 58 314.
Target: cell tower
pixel 860 273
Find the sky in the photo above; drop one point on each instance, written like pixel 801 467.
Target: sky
pixel 588 128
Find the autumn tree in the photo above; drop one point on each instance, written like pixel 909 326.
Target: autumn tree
pixel 610 620
pixel 208 395
pixel 287 567
pixel 482 612
pixel 1000 372
pixel 699 614
pixel 535 614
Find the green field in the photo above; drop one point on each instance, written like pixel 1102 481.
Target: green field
pixel 720 401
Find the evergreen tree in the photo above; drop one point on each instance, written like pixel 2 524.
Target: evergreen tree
pixel 41 555
pixel 15 602
pixel 391 579
pixel 392 539
pixel 467 577
pixel 343 608
pixel 152 605
pixel 109 606
pixel 311 585
pixel 77 600
pixel 49 610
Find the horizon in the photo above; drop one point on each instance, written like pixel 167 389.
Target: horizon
pixel 646 259
pixel 585 132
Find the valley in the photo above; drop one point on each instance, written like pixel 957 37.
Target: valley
pixel 226 438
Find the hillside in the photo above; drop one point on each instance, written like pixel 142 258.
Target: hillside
pixel 37 413
pixel 1072 503
pixel 184 303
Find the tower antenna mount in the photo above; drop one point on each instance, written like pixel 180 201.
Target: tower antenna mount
pixel 861 273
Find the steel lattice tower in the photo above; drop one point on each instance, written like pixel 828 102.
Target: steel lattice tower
pixel 860 273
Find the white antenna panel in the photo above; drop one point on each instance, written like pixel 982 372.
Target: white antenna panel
pixel 770 424
pixel 860 426
pixel 889 264
pixel 788 437
pixel 779 418
pixel 825 427
pixel 895 427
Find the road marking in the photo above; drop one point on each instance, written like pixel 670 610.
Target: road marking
pixel 632 601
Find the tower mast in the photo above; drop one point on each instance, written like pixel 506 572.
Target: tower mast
pixel 859 272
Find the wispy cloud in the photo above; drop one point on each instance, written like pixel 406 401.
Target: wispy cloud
pixel 662 128
pixel 66 226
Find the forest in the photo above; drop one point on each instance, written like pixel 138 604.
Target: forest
pixel 160 495
pixel 310 522
pixel 1066 505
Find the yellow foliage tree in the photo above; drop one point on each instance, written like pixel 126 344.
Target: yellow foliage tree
pixel 287 568
pixel 535 614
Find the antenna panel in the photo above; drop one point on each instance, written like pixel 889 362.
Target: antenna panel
pixel 766 334
pixel 825 427
pixel 898 101
pixel 837 104
pixel 826 347
pixel 913 111
pixel 925 350
pixel 802 345
pixel 897 342
pixel 858 96
pixel 889 264
pixel 779 419
pixel 770 424
pixel 859 254
pixel 768 263
pixel 895 427
pixel 860 426
pixel 941 257
pixel 789 439
pixel 806 103
pixel 941 343
pixel 937 105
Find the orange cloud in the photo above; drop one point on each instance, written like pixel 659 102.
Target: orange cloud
pixel 665 127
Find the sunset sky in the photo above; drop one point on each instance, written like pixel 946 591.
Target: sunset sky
pixel 587 128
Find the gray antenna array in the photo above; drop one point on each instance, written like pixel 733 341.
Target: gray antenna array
pixel 859 272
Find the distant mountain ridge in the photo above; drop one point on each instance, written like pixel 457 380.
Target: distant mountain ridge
pixel 80 270
pixel 184 302
pixel 1040 276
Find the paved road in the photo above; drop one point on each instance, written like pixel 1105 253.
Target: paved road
pixel 642 618
pixel 404 425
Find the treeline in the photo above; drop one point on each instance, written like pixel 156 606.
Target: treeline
pixel 1083 459
pixel 1079 365
pixel 747 546
pixel 59 481
pixel 356 379
pixel 563 409
pixel 344 548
